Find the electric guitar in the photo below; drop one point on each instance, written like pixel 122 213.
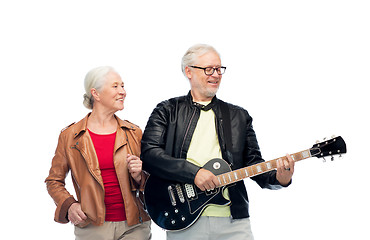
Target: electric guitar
pixel 176 206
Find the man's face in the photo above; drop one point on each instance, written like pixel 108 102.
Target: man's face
pixel 203 87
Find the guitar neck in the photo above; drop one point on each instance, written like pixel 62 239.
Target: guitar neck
pixel 257 169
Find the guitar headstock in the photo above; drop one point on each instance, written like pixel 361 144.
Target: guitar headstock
pixel 331 147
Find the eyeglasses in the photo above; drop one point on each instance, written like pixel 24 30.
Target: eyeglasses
pixel 210 70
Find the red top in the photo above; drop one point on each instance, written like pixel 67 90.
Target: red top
pixel 104 147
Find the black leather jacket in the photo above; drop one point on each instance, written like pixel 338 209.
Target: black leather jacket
pixel 181 115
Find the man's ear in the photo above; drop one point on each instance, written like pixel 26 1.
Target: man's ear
pixel 95 94
pixel 188 73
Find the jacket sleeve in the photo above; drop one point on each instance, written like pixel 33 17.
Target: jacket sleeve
pixel 155 159
pixel 137 135
pixel 55 183
pixel 252 155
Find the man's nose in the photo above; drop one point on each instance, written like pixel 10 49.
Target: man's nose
pixel 215 73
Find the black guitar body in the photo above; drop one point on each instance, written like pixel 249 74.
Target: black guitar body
pixel 176 206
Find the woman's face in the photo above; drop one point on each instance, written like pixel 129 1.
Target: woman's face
pixel 113 94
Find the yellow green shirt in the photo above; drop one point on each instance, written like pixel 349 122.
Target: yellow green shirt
pixel 204 146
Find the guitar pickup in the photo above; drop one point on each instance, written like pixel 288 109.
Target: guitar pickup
pixel 190 192
pixel 211 192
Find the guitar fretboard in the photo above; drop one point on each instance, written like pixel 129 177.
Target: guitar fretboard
pixel 257 169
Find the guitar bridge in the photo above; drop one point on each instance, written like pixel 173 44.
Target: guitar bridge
pixel 172 195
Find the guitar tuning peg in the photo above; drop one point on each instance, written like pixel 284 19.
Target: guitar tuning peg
pixel 324 138
pixel 323 159
pixel 333 136
pixel 332 158
pixel 317 141
pixel 340 156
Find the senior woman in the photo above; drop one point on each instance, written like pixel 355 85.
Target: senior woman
pixel 101 151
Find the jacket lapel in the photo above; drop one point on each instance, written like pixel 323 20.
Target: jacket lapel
pixel 121 139
pixel 85 145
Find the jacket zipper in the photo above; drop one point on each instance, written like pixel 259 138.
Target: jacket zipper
pixel 187 130
pixel 84 156
pixel 137 190
pixel 96 179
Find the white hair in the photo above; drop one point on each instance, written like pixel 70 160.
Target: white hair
pixel 95 78
pixel 191 56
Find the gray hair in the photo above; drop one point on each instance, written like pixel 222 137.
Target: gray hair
pixel 95 78
pixel 191 55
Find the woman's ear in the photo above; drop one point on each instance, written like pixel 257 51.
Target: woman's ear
pixel 95 94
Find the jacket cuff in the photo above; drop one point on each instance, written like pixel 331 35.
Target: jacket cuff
pixel 62 215
pixel 135 186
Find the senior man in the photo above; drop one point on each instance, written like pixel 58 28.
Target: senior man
pixel 184 133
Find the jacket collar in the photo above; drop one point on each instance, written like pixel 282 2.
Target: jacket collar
pixel 200 106
pixel 81 126
pixel 85 145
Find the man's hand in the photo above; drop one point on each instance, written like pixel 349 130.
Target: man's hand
pixel 285 170
pixel 206 180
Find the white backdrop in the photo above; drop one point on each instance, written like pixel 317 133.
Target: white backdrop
pixel 299 67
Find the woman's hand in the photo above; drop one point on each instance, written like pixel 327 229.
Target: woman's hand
pixel 75 214
pixel 134 166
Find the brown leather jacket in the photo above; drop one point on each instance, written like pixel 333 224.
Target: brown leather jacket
pixel 75 152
